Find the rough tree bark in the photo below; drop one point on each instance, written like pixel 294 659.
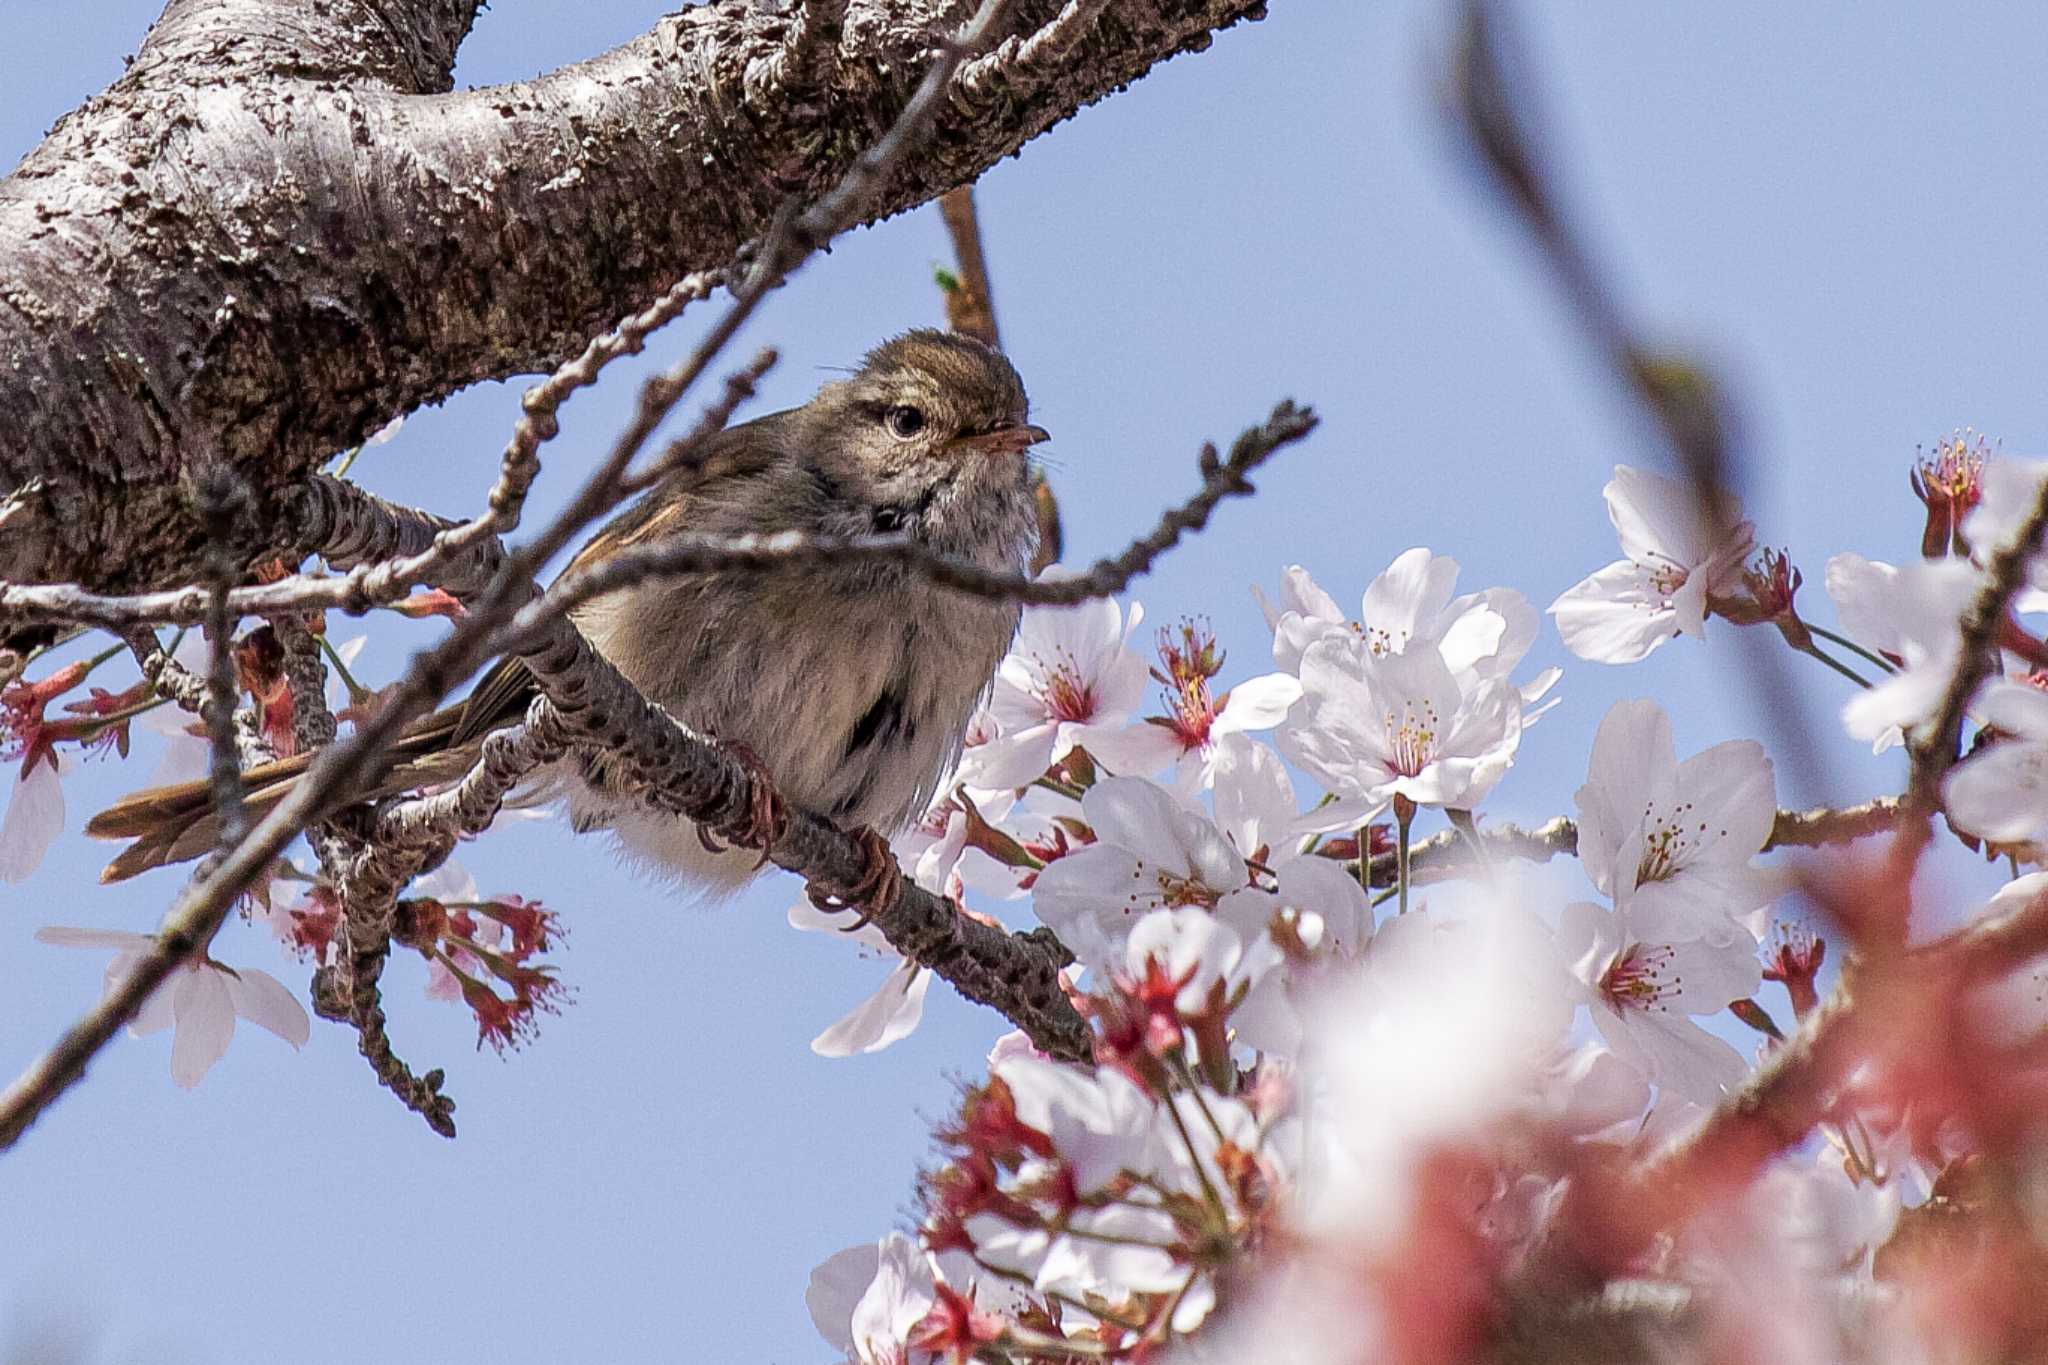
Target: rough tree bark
pixel 280 228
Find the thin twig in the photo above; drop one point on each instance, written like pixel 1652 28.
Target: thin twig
pixel 795 549
pixel 1020 61
pixel 970 303
pixel 222 498
pixel 470 806
pixel 169 677
pixel 696 554
pixel 971 310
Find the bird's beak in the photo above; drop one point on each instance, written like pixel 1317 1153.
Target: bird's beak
pixel 1002 441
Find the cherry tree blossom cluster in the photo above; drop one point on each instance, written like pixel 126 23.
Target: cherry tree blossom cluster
pixel 1349 1103
pixel 481 953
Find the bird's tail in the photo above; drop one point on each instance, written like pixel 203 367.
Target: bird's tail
pixel 178 822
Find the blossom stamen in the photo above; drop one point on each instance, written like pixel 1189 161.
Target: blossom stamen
pixel 1640 977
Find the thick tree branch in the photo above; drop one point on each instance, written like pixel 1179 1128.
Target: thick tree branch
pixel 226 260
pixel 401 45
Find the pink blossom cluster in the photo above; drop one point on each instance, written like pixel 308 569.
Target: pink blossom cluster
pixel 1317 1128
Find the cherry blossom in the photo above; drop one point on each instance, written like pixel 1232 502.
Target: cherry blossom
pixel 1257 811
pixel 1376 727
pixel 1121 1241
pixel 200 1000
pixel 1197 720
pixel 1197 953
pixel 1009 842
pixel 1950 483
pixel 1594 1095
pixel 1453 1015
pixel 1185 972
pixel 1643 992
pixel 1672 563
pixel 451 881
pixel 305 917
pixel 1151 850
pixel 1672 842
pixel 1823 1217
pixel 1481 635
pixel 475 949
pixel 35 807
pixel 2014 1009
pixel 1070 681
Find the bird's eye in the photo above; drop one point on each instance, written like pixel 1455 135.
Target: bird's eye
pixel 904 421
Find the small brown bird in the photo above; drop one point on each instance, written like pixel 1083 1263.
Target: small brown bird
pixel 850 682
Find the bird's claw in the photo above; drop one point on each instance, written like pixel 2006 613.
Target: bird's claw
pixel 766 819
pixel 879 884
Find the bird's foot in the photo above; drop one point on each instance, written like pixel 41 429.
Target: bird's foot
pixel 879 884
pixel 766 819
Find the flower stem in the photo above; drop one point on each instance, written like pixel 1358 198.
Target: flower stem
pixel 1813 651
pixel 1461 821
pixel 1214 1200
pixel 1404 816
pixel 1053 784
pixel 101 724
pixel 1846 643
pixel 357 693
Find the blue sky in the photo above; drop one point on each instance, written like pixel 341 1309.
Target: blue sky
pixel 1840 208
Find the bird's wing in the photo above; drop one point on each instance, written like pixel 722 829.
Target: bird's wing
pixel 501 698
pixel 667 509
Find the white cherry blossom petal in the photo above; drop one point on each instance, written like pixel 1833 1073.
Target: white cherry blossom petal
pixel 267 1003
pixel 121 940
pixel 894 1302
pixel 206 1024
pixel 1660 588
pixel 888 1016
pixel 34 819
pixel 835 1290
pixel 158 1010
pixel 1257 704
pixel 2008 489
pixel 1407 599
pixel 1616 615
pixel 1641 992
pixel 1139 750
